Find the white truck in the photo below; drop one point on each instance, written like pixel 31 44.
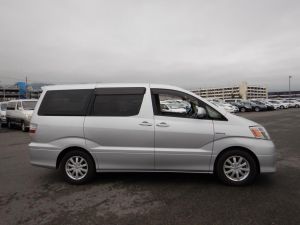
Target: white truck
pixel 19 113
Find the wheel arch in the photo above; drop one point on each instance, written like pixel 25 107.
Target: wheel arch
pixel 236 148
pixel 69 149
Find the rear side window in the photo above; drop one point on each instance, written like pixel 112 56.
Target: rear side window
pixel 65 103
pixel 118 102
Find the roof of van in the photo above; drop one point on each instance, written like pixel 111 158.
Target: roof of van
pixel 22 100
pixel 99 85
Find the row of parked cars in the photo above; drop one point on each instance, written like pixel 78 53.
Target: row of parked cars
pixel 17 113
pixel 240 105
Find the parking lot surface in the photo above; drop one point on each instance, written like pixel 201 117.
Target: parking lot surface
pixel 32 195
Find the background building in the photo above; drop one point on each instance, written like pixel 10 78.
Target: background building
pixel 243 91
pixel 284 94
pixel 19 91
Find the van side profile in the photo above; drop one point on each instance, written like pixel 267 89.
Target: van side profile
pixel 84 129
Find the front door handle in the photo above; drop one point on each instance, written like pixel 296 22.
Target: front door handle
pixel 145 123
pixel 162 124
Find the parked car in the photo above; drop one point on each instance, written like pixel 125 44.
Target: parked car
pixel 19 113
pixel 292 103
pixel 268 105
pixel 275 104
pixel 225 106
pixel 242 107
pixel 3 106
pixel 256 106
pixel 283 105
pixel 233 100
pixel 84 129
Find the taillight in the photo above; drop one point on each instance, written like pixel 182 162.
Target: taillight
pixel 32 128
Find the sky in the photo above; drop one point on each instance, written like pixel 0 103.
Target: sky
pixel 191 44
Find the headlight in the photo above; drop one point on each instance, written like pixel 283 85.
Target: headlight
pixel 259 132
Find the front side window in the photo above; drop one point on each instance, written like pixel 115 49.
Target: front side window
pixel 179 104
pixel 65 102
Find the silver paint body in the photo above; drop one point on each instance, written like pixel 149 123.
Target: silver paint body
pixel 145 142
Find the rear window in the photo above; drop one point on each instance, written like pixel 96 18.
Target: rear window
pixel 65 103
pixel 118 102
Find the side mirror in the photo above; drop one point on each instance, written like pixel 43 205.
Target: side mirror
pixel 201 113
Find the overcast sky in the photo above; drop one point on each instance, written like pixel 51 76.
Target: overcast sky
pixel 186 43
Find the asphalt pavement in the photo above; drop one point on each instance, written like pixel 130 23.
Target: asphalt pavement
pixel 33 195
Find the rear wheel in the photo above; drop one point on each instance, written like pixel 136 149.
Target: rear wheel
pixel 23 126
pixel 256 109
pixel 77 167
pixel 236 167
pixel 243 110
pixel 282 107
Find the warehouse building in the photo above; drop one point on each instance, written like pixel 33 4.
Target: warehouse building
pixel 243 91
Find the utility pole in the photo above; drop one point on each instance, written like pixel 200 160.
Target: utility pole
pixel 290 86
pixel 26 87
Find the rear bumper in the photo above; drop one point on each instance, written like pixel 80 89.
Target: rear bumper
pixel 43 155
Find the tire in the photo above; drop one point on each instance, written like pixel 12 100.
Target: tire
pixel 256 109
pixel 23 127
pixel 296 106
pixel 223 165
pixel 83 158
pixel 281 107
pixel 243 110
pixel 9 125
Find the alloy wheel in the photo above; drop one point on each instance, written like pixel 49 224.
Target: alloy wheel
pixel 76 167
pixel 236 168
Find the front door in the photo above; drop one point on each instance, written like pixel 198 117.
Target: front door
pixel 183 140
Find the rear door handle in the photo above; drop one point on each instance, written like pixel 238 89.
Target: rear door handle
pixel 162 124
pixel 145 123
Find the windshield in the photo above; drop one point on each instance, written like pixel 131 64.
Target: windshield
pixel 28 105
pixel 3 106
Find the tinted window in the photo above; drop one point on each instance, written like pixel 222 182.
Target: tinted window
pixel 65 103
pixel 117 104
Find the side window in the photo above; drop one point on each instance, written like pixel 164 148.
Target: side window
pixel 117 101
pixel 176 104
pixel 11 105
pixel 65 103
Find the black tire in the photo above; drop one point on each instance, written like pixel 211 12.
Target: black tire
pixel 281 107
pixel 296 106
pixel 23 127
pixel 256 109
pixel 9 125
pixel 91 169
pixel 219 170
pixel 243 110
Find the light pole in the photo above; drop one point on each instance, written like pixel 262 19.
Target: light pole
pixel 290 86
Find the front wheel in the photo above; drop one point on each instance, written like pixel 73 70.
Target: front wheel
pixel 236 167
pixel 77 167
pixel 243 110
pixel 257 109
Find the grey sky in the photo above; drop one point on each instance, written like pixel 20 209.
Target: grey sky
pixel 187 43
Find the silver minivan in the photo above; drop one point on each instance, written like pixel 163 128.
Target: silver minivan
pixel 89 128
